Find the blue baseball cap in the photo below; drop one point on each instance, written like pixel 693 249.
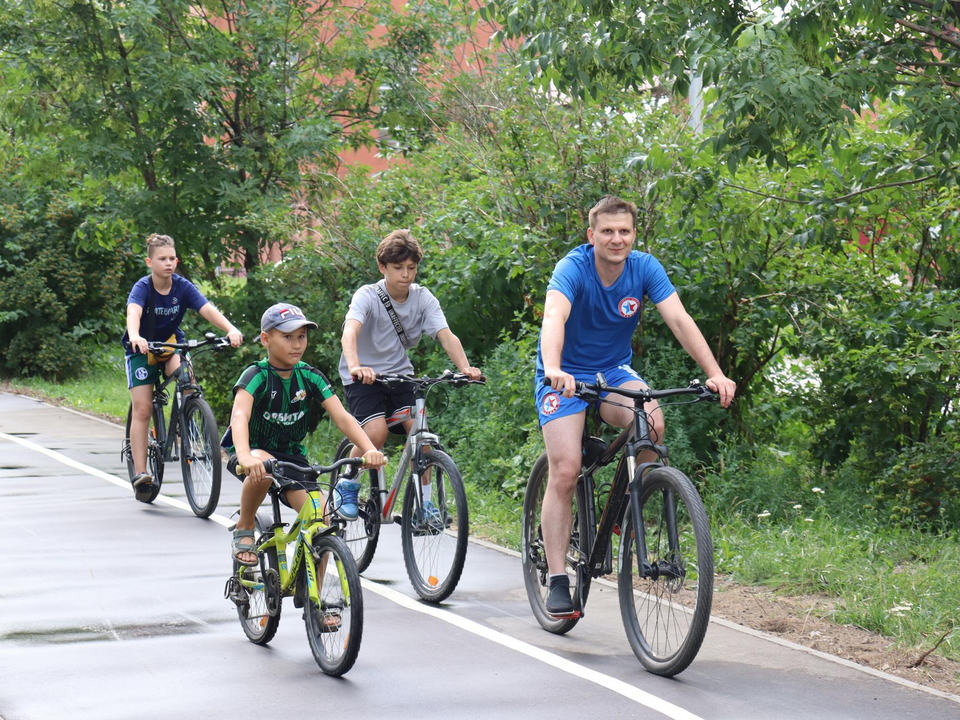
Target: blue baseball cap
pixel 285 318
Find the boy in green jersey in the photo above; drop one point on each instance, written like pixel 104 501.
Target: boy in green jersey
pixel 271 409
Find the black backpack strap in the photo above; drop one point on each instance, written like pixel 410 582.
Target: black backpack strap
pixel 397 325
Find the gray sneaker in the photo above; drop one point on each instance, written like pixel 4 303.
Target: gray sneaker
pixel 143 487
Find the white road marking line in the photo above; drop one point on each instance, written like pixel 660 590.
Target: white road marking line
pixel 568 666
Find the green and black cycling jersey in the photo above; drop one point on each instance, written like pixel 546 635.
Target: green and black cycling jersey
pixel 281 406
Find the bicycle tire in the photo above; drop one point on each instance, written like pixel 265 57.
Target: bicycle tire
pixel 533 556
pixel 435 550
pixel 363 534
pixel 335 652
pixel 154 461
pixel 200 457
pixel 666 618
pixel 258 624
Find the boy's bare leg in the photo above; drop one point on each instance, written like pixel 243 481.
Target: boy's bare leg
pixel 141 398
pixel 251 497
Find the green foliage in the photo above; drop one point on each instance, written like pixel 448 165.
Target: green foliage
pixel 57 301
pixel 780 77
pixel 203 119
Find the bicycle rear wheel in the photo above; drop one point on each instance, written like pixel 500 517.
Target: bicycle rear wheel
pixel 666 615
pixel 335 629
pixel 260 611
pixel 363 534
pixel 154 453
pixel 533 554
pixel 200 456
pixel 435 544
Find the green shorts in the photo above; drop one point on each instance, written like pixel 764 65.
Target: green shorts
pixel 140 371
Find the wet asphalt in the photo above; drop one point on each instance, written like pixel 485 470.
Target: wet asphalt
pixel 110 608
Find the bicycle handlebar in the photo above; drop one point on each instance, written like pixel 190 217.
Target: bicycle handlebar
pixel 210 340
pixel 315 470
pixel 591 391
pixel 455 379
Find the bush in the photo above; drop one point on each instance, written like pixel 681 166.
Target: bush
pixel 57 301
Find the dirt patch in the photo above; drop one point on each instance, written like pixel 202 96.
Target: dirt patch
pixel 802 620
pixel 60 401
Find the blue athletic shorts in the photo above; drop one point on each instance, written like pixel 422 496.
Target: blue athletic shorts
pixel 552 405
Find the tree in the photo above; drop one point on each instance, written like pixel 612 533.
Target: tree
pixel 217 122
pixel 783 78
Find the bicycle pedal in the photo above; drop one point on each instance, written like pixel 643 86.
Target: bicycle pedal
pixel 567 616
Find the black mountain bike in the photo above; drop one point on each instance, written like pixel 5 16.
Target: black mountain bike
pixel 654 516
pixel 192 434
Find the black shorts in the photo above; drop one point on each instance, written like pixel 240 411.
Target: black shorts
pixel 369 402
pixel 290 479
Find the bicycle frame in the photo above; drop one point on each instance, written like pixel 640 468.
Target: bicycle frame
pixel 418 437
pixel 626 479
pixel 185 380
pixel 308 524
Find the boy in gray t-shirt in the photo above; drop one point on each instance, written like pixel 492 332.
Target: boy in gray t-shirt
pixel 371 344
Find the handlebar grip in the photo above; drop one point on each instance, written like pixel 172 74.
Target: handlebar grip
pixel 267 466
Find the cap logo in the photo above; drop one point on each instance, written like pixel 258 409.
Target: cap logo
pixel 291 311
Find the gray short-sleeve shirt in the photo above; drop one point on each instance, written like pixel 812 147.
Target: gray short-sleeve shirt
pixel 378 345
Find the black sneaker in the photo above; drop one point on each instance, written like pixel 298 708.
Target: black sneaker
pixel 558 601
pixel 143 487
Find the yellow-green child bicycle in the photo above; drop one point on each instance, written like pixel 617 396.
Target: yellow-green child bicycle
pixel 322 578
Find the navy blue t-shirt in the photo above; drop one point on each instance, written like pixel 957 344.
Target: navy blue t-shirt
pixel 168 309
pixel 599 331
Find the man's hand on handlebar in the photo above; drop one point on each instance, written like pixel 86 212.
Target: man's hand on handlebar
pixel 724 386
pixel 559 380
pixel 139 344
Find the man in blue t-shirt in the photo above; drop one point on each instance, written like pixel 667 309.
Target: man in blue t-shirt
pixel 591 311
pixel 169 296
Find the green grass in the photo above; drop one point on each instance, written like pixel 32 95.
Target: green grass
pixel 897 583
pixel 102 390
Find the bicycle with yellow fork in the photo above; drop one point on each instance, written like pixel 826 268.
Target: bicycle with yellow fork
pixel 322 577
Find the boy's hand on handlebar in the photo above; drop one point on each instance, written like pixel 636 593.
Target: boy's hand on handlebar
pixel 724 386
pixel 252 467
pixel 472 372
pixel 139 344
pixel 364 374
pixel 235 337
pixel 559 380
pixel 373 459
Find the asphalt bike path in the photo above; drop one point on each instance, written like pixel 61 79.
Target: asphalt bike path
pixel 112 609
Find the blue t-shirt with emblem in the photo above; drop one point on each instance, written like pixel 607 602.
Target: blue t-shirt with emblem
pixel 168 310
pixel 598 334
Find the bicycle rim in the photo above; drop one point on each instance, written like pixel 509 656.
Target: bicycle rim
pixel 200 457
pixel 666 615
pixel 435 544
pixel 335 629
pixel 257 623
pixel 534 559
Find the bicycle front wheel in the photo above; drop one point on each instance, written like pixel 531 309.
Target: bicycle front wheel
pixel 363 534
pixel 666 613
pixel 534 556
pixel 435 537
pixel 200 457
pixel 335 628
pixel 154 459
